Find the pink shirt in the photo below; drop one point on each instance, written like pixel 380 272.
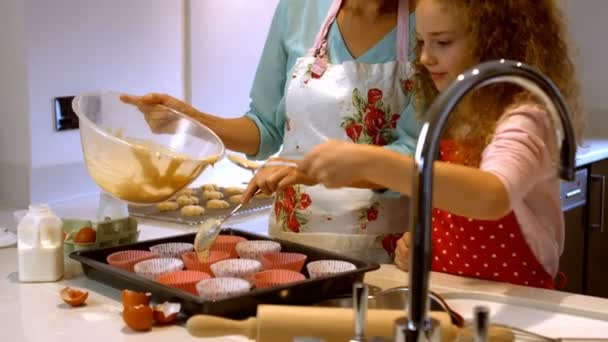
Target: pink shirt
pixel 520 155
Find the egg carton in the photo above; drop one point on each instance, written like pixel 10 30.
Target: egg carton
pixel 109 233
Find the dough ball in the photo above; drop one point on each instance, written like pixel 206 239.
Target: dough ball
pixel 186 192
pixel 167 206
pixel 233 191
pixel 235 199
pixel 209 187
pixel 192 210
pixel 211 195
pixel 217 204
pixel 187 200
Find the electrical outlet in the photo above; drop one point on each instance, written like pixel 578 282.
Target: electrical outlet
pixel 65 118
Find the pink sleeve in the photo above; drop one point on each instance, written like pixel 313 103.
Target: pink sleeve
pixel 521 149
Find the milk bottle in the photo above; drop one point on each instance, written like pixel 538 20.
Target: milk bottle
pixel 40 245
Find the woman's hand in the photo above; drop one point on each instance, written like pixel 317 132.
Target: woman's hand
pixel 153 107
pixel 402 253
pixel 270 179
pixel 336 163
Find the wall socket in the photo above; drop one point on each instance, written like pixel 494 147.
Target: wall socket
pixel 65 118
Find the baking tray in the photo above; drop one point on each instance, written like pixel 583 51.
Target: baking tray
pixel 150 212
pixel 306 292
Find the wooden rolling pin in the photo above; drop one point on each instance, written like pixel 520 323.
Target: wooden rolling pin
pixel 275 323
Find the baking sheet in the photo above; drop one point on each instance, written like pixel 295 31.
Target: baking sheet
pixel 151 212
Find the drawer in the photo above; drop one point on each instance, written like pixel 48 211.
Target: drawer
pixel 574 193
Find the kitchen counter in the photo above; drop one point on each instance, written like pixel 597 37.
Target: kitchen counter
pixel 592 150
pixel 35 312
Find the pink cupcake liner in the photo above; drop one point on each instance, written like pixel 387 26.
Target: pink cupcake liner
pixel 276 277
pixel 127 259
pixel 192 261
pixel 154 268
pixel 322 268
pixel 255 248
pixel 283 260
pixel 236 268
pixel 172 249
pixel 227 243
pixel 183 280
pixel 220 288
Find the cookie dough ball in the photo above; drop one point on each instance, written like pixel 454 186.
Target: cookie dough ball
pixel 167 206
pixel 186 192
pixel 209 187
pixel 187 200
pixel 217 204
pixel 233 191
pixel 192 210
pixel 235 199
pixel 211 195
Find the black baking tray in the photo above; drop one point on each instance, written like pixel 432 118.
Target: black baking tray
pixel 305 292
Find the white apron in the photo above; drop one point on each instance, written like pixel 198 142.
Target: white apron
pixel 352 102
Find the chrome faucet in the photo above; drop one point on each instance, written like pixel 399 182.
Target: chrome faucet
pixel 418 326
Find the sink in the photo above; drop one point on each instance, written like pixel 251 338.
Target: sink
pixel 550 320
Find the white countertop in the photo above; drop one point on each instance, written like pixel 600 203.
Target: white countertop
pixel 592 150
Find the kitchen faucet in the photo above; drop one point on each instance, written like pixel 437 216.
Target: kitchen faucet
pixel 417 326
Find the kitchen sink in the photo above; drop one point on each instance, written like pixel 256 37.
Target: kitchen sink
pixel 550 320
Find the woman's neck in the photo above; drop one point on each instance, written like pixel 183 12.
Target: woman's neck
pixel 370 8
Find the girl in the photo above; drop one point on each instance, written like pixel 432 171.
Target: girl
pixel 497 209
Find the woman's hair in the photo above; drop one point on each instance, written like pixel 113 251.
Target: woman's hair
pixel 529 31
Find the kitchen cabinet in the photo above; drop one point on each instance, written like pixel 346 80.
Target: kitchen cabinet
pixel 574 204
pixel 597 232
pixel 585 257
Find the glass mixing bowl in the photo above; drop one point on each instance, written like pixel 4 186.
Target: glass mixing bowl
pixel 142 159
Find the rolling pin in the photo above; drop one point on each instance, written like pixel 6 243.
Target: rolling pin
pixel 275 323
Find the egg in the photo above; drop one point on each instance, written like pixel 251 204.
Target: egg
pixel 73 297
pixel 166 312
pixel 86 235
pixel 139 317
pixel 133 298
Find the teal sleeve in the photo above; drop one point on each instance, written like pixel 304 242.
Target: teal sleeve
pixel 266 109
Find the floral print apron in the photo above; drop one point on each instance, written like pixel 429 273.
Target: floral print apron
pixel 354 102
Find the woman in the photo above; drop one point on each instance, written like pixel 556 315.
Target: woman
pixel 329 70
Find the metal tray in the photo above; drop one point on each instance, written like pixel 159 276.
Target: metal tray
pixel 150 212
pixel 306 292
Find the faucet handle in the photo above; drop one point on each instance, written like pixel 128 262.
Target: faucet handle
pixel 360 294
pixel 481 321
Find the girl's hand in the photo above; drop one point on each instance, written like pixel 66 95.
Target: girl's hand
pixel 153 107
pixel 270 179
pixel 402 253
pixel 336 163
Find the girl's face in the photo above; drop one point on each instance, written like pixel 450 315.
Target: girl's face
pixel 446 49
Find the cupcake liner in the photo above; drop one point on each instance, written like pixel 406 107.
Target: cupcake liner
pixel 192 261
pixel 236 268
pixel 220 288
pixel 183 280
pixel 172 249
pixel 276 277
pixel 127 259
pixel 227 243
pixel 282 260
pixel 322 268
pixel 154 268
pixel 255 248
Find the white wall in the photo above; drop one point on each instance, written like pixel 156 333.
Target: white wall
pixel 226 41
pixel 65 47
pixel 14 132
pixel 75 45
pixel 588 29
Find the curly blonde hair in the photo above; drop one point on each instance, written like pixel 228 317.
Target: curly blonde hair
pixel 530 31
